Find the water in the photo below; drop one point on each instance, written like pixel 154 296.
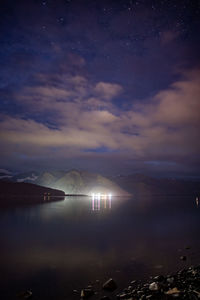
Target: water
pixel 59 247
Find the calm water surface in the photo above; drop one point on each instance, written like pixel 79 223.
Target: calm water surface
pixel 57 247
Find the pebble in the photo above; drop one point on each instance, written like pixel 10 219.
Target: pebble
pixel 154 286
pixel 110 285
pixel 170 280
pixel 25 295
pixel 86 293
pixel 159 278
pixel 173 291
pixel 183 257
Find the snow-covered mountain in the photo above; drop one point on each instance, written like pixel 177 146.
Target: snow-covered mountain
pixel 5 174
pixel 29 177
pixel 72 182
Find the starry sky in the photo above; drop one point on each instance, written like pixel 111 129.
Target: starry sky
pixel 102 85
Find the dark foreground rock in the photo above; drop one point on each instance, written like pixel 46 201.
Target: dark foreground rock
pixel 185 284
pixel 25 295
pixel 109 285
pixel 87 293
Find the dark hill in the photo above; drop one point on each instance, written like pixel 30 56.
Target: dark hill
pixel 138 184
pixel 15 193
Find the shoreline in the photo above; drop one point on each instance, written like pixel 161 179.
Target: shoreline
pixel 183 284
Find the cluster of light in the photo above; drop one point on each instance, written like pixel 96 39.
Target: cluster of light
pixel 101 196
pixel 99 200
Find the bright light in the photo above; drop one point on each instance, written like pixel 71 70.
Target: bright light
pixel 101 196
pixel 98 200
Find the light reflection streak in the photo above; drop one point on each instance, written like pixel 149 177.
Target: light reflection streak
pixel 99 201
pixel 106 201
pixel 110 200
pixel 92 201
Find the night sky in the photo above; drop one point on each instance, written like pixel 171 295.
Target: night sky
pixel 106 86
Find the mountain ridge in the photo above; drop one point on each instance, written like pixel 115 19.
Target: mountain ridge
pixel 73 182
pixel 143 184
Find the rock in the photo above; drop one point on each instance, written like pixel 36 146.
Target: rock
pixel 154 286
pixel 159 278
pixel 25 295
pixel 139 293
pixel 173 292
pixel 197 293
pixel 86 293
pixel 183 257
pixel 109 285
pixel 170 280
pixel 122 296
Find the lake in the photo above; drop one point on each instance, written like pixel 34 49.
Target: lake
pixel 58 247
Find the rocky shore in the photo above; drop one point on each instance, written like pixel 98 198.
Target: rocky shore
pixel 185 284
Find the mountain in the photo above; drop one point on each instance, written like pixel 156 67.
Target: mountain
pixel 8 188
pixel 29 177
pixel 5 174
pixel 82 182
pixel 138 184
pixel 74 182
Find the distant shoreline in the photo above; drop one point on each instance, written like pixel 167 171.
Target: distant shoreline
pixel 14 194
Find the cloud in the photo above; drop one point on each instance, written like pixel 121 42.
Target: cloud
pixel 107 90
pixel 164 127
pixel 180 104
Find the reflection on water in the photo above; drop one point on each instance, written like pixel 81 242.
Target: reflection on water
pixel 101 201
pixel 47 196
pixel 59 246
